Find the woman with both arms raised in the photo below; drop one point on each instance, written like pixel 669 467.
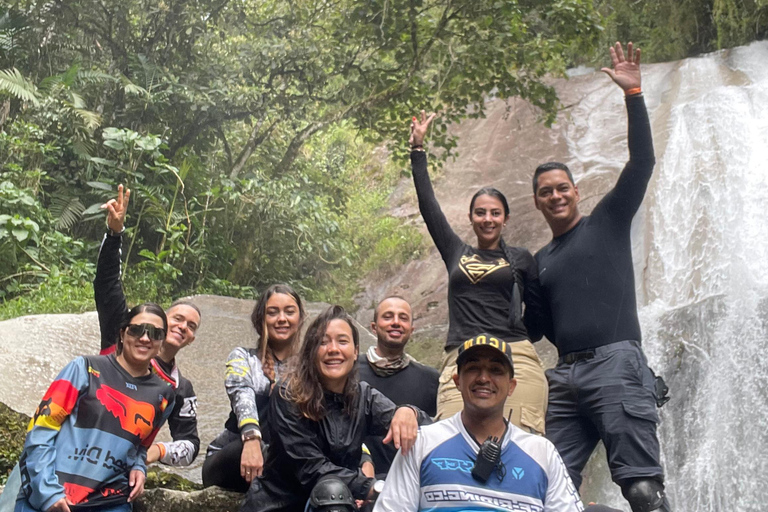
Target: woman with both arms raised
pixel 487 286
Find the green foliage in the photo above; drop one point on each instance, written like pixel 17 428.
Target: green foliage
pixel 675 29
pixel 12 81
pixel 13 428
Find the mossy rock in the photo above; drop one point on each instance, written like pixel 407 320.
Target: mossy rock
pixel 159 478
pixel 13 430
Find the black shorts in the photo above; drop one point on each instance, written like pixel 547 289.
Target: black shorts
pixel 608 397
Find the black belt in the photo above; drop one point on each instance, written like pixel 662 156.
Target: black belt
pixel 576 356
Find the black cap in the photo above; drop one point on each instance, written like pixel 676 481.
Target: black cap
pixel 486 340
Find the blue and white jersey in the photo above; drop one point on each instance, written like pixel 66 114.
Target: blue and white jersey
pixel 436 475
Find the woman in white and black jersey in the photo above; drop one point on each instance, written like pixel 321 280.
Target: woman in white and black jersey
pixel 235 457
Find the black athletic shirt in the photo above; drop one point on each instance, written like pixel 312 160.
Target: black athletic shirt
pixel 586 274
pixel 480 282
pixel 416 384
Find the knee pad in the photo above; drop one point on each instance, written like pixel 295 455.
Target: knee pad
pixel 646 495
pixel 331 495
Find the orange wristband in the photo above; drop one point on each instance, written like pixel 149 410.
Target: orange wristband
pixel 633 91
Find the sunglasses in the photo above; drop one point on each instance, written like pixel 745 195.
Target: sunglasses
pixel 153 333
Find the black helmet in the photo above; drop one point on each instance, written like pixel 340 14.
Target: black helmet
pixel 331 495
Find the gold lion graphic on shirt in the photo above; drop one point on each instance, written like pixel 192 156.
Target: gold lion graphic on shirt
pixel 476 269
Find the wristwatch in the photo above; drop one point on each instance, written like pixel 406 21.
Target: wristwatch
pixel 378 486
pixel 248 435
pixel 112 232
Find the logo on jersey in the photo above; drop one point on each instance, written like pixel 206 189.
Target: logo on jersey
pixel 135 417
pixel 465 466
pixel 517 473
pixel 476 269
pixel 189 408
pixel 56 405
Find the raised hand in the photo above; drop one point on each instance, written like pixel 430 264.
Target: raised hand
pixel 626 70
pixel 116 209
pixel 419 128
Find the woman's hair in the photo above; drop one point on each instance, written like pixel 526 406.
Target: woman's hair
pixel 259 321
pixel 493 192
pixel 147 307
pixel 304 387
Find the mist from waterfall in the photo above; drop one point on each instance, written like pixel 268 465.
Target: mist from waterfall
pixel 700 246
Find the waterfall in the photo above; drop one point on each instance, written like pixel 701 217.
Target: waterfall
pixel 700 247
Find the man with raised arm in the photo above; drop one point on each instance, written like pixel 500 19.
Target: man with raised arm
pixel 601 388
pixel 477 460
pixel 183 321
pixel 388 368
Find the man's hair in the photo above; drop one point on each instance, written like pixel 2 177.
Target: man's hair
pixel 550 166
pixel 376 309
pixel 185 302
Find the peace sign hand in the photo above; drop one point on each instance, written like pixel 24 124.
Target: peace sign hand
pixel 626 70
pixel 419 128
pixel 116 210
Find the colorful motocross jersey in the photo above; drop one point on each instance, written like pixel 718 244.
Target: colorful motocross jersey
pixel 436 475
pixel 92 428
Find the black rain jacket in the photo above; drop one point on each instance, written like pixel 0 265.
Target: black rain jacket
pixel 302 451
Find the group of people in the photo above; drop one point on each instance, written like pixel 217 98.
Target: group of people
pixel 317 425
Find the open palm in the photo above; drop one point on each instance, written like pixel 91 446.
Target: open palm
pixel 626 69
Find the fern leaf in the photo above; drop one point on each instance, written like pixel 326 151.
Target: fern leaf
pixel 66 210
pixel 11 80
pixel 94 77
pixel 91 119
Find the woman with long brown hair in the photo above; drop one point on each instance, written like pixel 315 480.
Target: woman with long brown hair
pixel 235 457
pixel 319 416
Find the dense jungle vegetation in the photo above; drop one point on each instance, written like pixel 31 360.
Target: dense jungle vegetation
pixel 261 139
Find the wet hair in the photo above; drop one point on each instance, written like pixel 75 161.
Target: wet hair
pixel 304 387
pixel 376 309
pixel 186 302
pixel 550 166
pixel 147 307
pixel 259 322
pixel 493 192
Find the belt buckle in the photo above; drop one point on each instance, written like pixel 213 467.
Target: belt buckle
pixel 574 357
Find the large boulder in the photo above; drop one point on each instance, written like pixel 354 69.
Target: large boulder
pixel 212 499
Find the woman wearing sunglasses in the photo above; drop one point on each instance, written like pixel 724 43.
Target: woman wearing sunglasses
pixel 318 418
pixel 87 442
pixel 235 457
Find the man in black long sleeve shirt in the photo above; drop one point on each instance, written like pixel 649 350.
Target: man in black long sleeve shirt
pixel 183 321
pixel 388 368
pixel 602 388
